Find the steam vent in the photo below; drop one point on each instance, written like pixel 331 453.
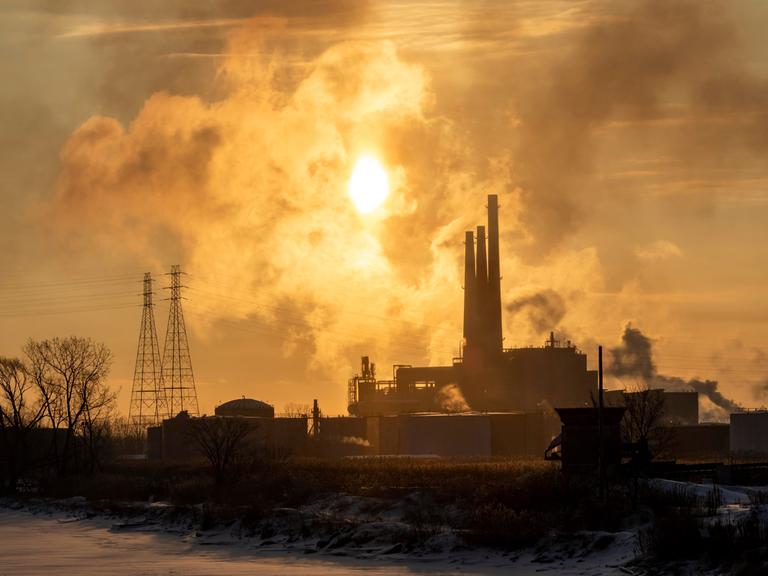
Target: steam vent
pixel 488 376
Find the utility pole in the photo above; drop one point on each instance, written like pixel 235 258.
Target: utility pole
pixel 314 430
pixel 178 379
pixel 600 435
pixel 148 404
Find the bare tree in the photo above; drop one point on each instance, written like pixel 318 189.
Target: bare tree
pixel 643 422
pixel 222 441
pixel 20 412
pixel 295 410
pixel 126 436
pixel 69 373
pixel 95 423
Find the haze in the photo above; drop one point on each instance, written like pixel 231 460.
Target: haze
pixel 627 143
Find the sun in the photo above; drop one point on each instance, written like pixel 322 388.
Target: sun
pixel 368 185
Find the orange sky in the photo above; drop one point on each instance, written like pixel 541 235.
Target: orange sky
pixel 627 143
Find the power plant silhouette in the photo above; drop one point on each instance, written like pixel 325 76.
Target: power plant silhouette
pixel 486 375
pixel 162 389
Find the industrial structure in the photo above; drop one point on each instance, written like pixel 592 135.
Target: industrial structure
pixel 175 438
pixel 679 407
pixel 489 376
pixel 148 405
pixel 178 378
pixel 162 388
pixel 749 432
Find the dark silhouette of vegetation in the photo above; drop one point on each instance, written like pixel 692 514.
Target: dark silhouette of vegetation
pixel 19 414
pixel 55 409
pixel 222 441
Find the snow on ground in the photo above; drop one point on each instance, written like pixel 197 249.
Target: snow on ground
pixel 71 537
pixel 728 495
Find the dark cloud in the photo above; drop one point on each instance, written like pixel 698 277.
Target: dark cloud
pixel 673 72
pixel 340 11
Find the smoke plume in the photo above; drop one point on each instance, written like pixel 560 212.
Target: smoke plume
pixel 356 440
pixel 450 399
pixel 543 309
pixel 634 360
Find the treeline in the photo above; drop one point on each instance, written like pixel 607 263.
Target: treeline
pixel 57 413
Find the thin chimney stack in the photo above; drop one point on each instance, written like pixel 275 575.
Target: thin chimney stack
pixel 494 275
pixel 469 285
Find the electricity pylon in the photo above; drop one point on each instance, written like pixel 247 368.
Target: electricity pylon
pixel 178 379
pixel 148 405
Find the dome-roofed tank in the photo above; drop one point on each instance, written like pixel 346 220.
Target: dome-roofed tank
pixel 245 407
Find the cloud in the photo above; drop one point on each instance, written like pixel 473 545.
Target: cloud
pixel 665 68
pixel 250 191
pixel 658 250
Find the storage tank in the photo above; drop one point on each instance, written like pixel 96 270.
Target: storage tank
pixel 447 435
pixel 246 407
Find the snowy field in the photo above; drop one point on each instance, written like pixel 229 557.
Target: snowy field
pixel 51 541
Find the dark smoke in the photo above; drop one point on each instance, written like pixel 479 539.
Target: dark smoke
pixel 544 309
pixel 634 359
pixel 760 390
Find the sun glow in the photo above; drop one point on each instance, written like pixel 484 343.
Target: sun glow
pixel 368 185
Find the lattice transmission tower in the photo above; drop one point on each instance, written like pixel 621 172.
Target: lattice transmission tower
pixel 148 405
pixel 178 379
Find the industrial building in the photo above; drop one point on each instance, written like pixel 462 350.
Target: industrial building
pixel 489 376
pixel 681 408
pixel 749 432
pixel 697 441
pixel 174 438
pixel 581 436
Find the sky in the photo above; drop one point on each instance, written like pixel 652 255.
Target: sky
pixel 627 141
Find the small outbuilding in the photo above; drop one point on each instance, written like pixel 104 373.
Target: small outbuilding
pixel 580 437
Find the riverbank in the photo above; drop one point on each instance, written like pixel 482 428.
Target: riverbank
pixel 522 516
pixel 148 529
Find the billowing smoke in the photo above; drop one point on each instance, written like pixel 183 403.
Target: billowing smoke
pixel 634 360
pixel 543 309
pixel 250 192
pixel 450 399
pixel 356 440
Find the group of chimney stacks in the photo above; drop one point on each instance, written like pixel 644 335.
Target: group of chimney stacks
pixel 482 288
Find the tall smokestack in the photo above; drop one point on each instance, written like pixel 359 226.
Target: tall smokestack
pixel 481 290
pixel 493 303
pixel 470 291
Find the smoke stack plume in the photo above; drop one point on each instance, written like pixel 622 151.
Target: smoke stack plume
pixel 634 359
